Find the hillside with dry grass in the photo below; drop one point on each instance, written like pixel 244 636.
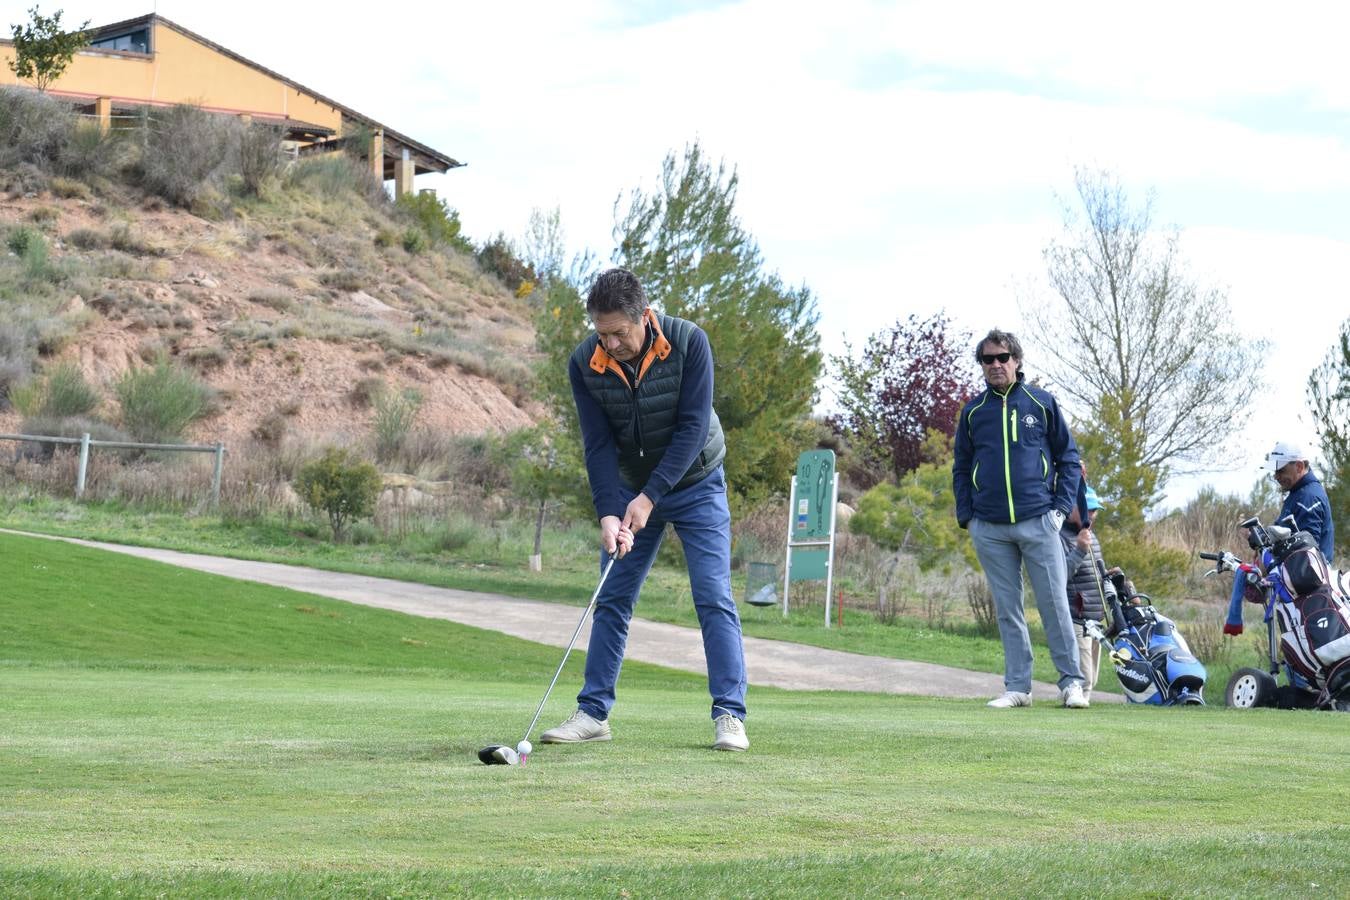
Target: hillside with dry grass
pixel 298 306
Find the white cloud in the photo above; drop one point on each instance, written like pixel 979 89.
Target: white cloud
pixel 1183 53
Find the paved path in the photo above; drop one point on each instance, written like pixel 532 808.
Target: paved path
pixel 781 664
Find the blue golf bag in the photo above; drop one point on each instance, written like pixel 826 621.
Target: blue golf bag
pixel 1151 658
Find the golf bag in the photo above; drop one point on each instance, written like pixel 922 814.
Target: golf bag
pixel 1314 622
pixel 1307 618
pixel 1152 660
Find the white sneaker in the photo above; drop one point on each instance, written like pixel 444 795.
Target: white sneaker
pixel 1009 699
pixel 578 727
pixel 1073 696
pixel 730 733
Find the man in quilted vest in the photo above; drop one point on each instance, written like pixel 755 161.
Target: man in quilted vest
pixel 1082 556
pixel 643 387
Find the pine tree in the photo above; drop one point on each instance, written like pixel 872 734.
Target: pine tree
pixel 1329 402
pixel 695 261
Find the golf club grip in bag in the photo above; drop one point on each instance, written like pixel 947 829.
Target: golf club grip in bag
pixel 1112 601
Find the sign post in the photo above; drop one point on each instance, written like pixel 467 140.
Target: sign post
pixel 810 539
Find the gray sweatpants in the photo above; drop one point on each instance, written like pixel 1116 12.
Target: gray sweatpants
pixel 1003 550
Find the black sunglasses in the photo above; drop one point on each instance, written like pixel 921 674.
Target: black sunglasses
pixel 989 358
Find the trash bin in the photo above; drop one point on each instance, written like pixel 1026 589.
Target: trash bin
pixel 761 582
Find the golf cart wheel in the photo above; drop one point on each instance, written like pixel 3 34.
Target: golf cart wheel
pixel 1250 688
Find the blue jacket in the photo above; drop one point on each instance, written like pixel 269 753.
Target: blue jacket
pixel 1311 509
pixel 1015 458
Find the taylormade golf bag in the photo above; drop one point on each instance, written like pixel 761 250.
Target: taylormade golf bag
pixel 1307 617
pixel 1151 658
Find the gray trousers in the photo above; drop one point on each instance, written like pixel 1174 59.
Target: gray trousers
pixel 1003 550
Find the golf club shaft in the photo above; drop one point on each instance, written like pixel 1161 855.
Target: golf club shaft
pixel 584 613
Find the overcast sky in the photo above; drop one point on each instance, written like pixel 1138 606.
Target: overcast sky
pixel 897 158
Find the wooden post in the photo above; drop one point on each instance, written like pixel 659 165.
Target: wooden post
pixel 103 110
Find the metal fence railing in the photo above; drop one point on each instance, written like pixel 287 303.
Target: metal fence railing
pixel 86 443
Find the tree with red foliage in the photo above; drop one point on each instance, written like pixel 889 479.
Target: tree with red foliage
pixel 911 377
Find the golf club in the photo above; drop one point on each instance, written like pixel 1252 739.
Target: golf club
pixel 501 755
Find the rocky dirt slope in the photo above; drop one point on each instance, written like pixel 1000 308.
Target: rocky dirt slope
pixel 295 309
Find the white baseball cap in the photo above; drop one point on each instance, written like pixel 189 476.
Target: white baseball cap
pixel 1284 453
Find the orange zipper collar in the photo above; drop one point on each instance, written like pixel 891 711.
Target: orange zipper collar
pixel 602 362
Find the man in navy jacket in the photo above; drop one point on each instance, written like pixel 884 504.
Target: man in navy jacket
pixel 1307 500
pixel 1015 475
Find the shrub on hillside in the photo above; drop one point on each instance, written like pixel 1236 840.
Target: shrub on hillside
pixel 13 375
pixel 260 160
pixel 62 393
pixel 365 390
pixel 18 339
pixel 337 175
pixel 341 486
pixel 122 237
pixel 414 241
pixel 45 217
pixel 16 358
pixel 395 413
pixel 69 189
pixel 187 150
pixel 476 461
pixel 29 244
pixel 499 257
pixel 34 128
pixel 90 152
pixel 88 239
pixel 23 180
pixel 436 218
pixel 271 429
pixel 159 402
pixel 23 238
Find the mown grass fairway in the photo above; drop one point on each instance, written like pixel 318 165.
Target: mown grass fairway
pixel 494 562
pixel 171 733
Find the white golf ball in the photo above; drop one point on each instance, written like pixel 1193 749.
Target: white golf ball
pixel 524 748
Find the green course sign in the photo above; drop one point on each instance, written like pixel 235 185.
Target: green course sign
pixel 813 513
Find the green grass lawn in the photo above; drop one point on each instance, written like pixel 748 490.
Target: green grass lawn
pixel 169 733
pixel 496 560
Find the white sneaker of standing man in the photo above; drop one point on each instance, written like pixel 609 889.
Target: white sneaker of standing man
pixel 1073 696
pixel 1009 699
pixel 730 733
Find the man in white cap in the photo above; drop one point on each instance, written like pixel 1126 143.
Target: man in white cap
pixel 1307 500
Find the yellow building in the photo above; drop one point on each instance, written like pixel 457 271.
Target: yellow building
pixel 150 61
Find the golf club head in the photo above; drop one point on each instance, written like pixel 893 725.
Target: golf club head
pixel 498 755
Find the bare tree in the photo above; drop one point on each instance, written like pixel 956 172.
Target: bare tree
pixel 1146 355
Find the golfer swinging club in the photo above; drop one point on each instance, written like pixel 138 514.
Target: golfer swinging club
pixel 643 388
